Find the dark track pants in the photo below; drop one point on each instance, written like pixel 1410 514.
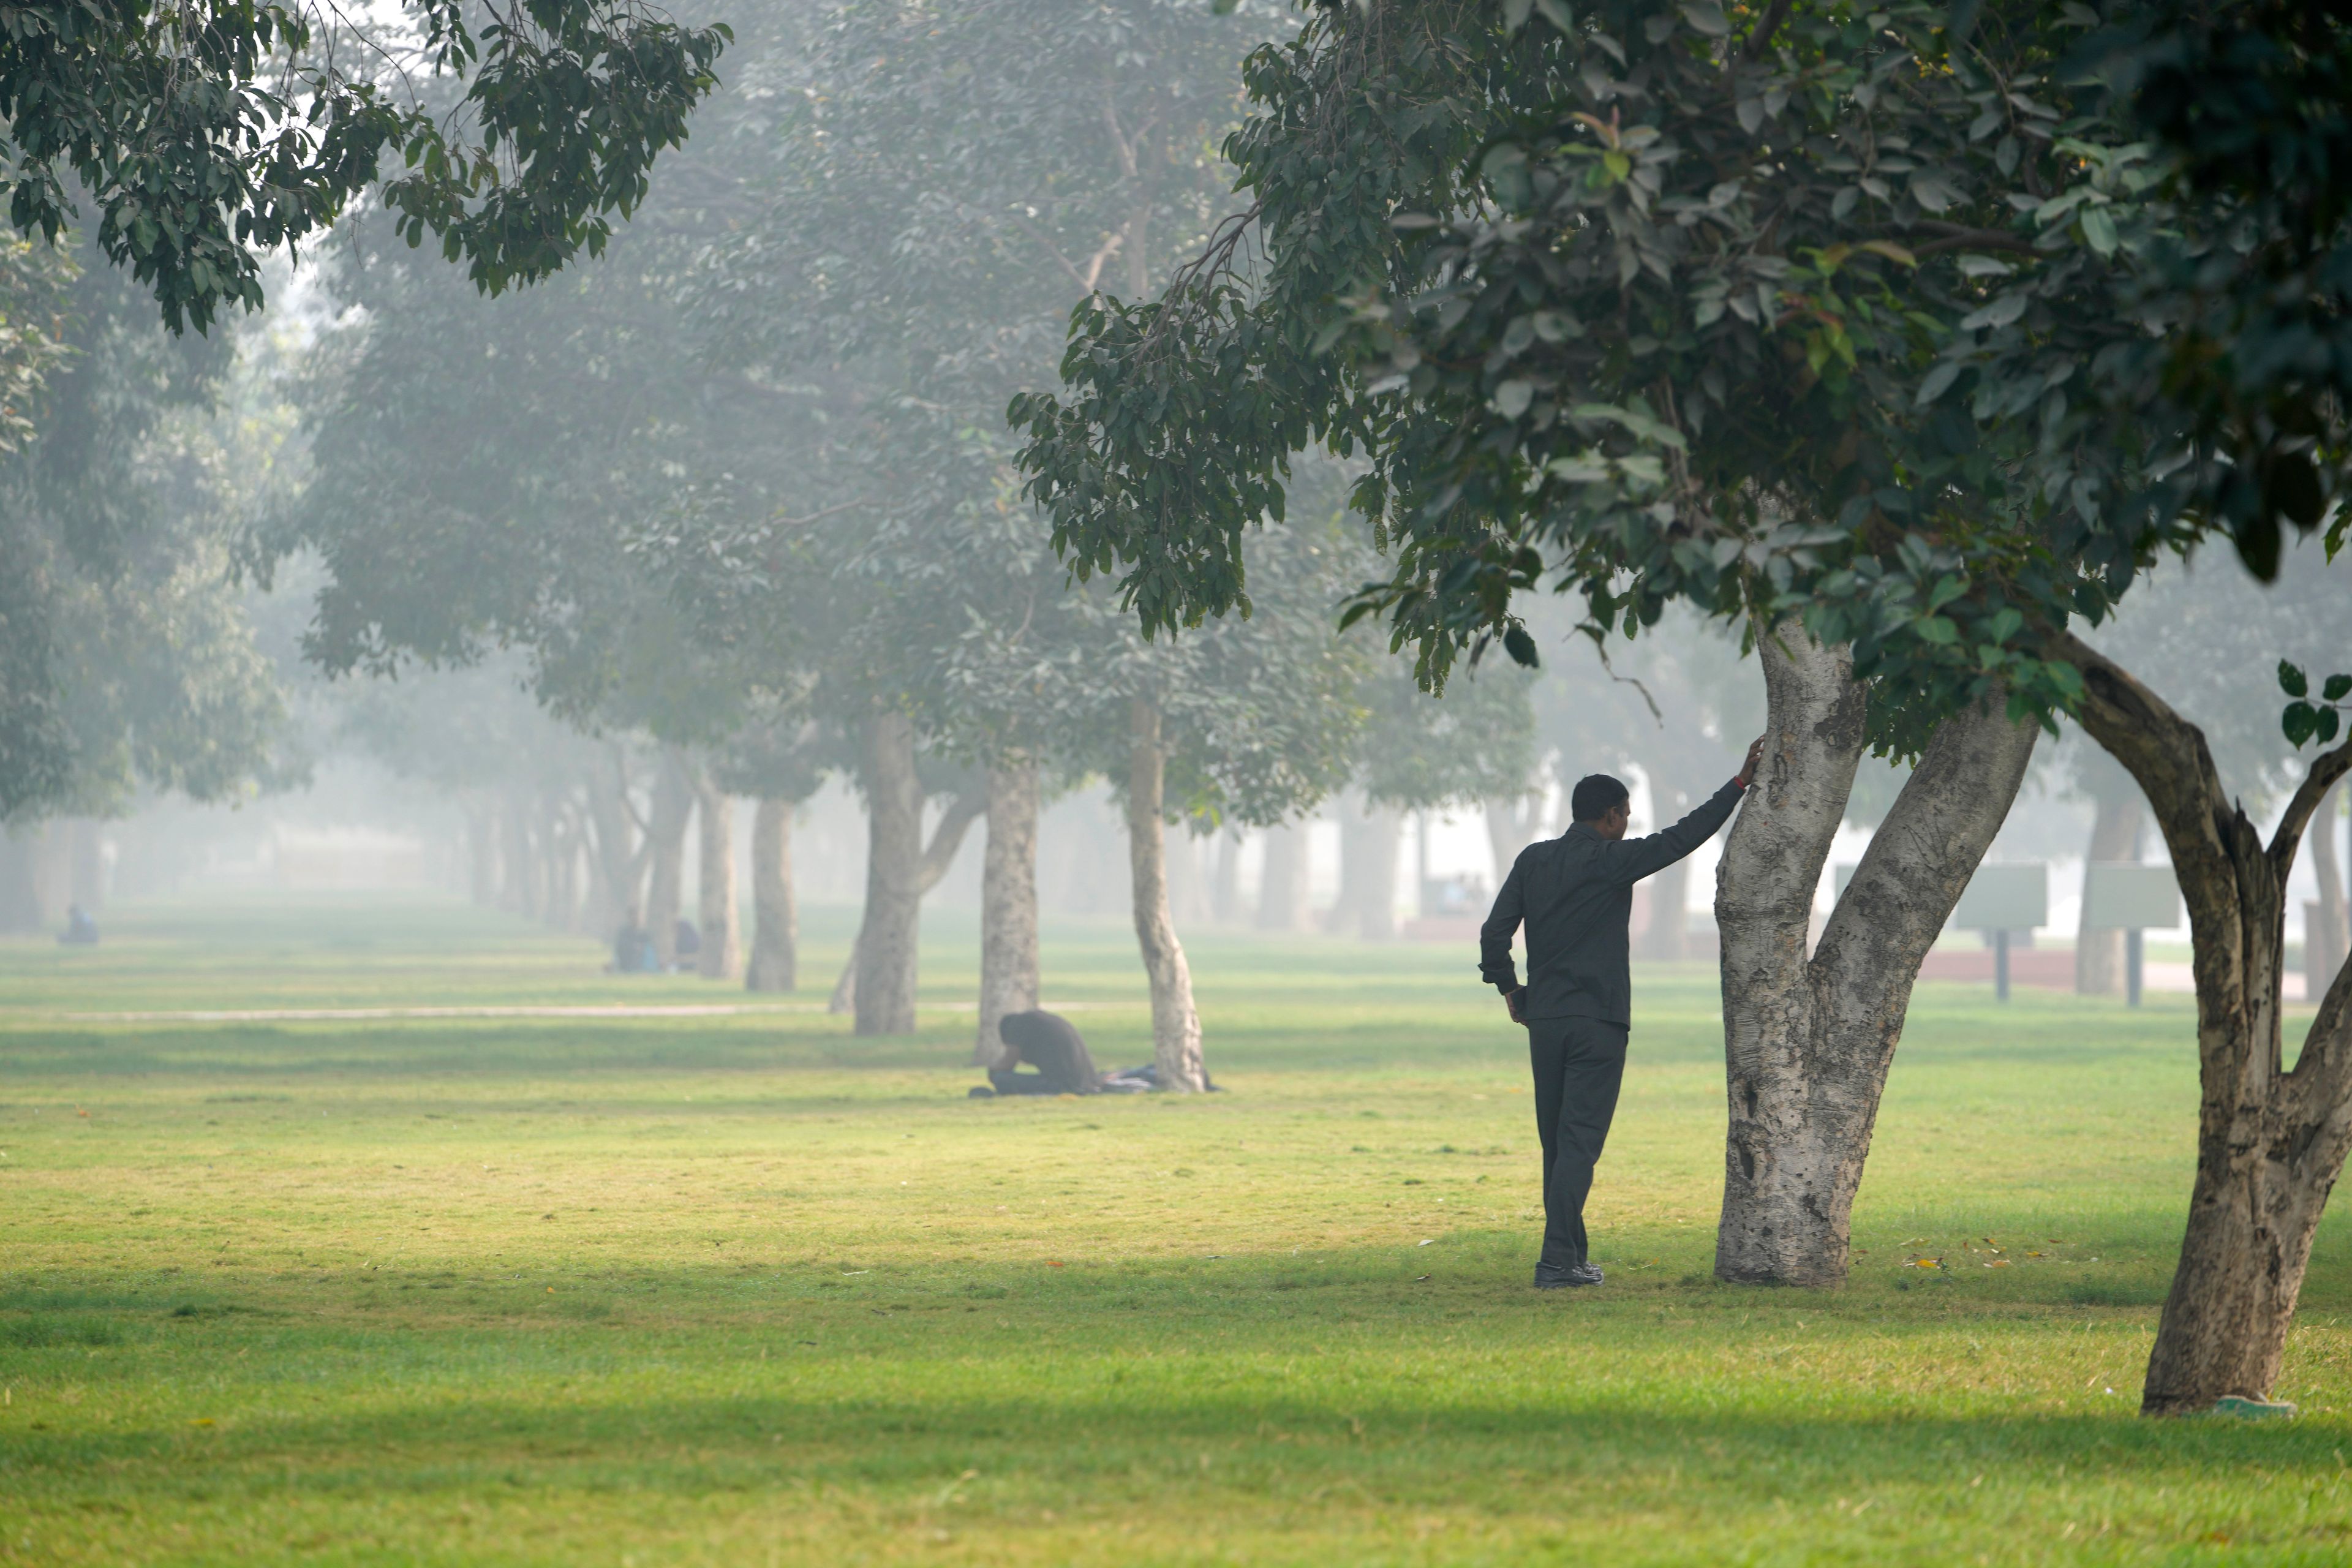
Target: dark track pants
pixel 1579 1064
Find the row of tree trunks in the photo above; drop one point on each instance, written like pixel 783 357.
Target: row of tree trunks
pixel 2270 1142
pixel 1808 1039
pixel 775 931
pixel 1282 880
pixel 1008 903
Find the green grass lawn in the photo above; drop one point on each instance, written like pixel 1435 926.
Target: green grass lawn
pixel 745 1289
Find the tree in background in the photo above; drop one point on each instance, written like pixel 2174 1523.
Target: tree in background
pixel 206 142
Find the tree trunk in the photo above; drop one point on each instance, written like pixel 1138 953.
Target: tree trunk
pixel 1512 825
pixel 776 928
pixel 617 857
pixel 721 957
pixel 1365 907
pixel 885 999
pixel 1282 889
pixel 1175 1024
pixel 519 892
pixel 2114 835
pixel 2325 947
pixel 88 887
pixel 1008 903
pixel 482 843
pixel 20 893
pixel 559 864
pixel 1225 887
pixel 2270 1142
pixel 961 811
pixel 672 808
pixel 1809 1039
pixel 1669 913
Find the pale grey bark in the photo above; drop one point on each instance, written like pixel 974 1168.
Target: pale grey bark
pixel 961 811
pixel 1008 903
pixel 2270 1142
pixel 2117 813
pixel 672 811
pixel 1807 1039
pixel 2328 933
pixel 774 963
pixel 885 957
pixel 1175 1023
pixel 721 956
pixel 618 855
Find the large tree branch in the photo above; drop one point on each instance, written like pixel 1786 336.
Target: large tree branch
pixel 948 838
pixel 2174 767
pixel 2325 769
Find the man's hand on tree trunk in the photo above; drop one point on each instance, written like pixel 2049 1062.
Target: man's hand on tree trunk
pixel 1747 775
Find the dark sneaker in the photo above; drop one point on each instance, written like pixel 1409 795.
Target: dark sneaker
pixel 1552 1278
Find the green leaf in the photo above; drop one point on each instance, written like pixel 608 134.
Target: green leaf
pixel 2329 719
pixel 1512 398
pixel 2338 688
pixel 2099 230
pixel 2299 722
pixel 1520 647
pixel 1706 17
pixel 1514 13
pixel 2292 680
pixel 1938 382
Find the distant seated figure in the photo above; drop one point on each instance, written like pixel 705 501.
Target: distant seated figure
pixel 633 949
pixel 80 930
pixel 686 941
pixel 1047 1042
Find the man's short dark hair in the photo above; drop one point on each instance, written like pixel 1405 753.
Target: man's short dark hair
pixel 1595 797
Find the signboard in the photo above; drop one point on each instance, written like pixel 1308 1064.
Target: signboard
pixel 2126 896
pixel 2005 897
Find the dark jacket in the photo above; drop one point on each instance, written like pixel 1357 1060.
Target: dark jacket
pixel 1576 894
pixel 1048 1042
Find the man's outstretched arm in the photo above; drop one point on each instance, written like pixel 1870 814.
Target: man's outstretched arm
pixel 1634 859
pixel 1495 965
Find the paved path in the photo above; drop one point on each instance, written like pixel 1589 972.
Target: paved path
pixel 612 1010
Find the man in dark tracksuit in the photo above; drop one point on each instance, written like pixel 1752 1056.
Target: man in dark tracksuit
pixel 1576 894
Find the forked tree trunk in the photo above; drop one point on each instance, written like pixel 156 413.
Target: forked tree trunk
pixel 2114 835
pixel 776 926
pixel 673 807
pixel 2270 1142
pixel 1175 1023
pixel 1809 1040
pixel 962 811
pixel 1008 903
pixel 721 957
pixel 885 1000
